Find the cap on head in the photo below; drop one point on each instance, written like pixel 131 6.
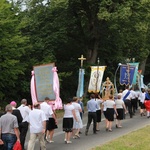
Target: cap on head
pixel 13 103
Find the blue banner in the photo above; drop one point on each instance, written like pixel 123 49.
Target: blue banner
pixel 126 74
pixel 80 90
pixel 135 72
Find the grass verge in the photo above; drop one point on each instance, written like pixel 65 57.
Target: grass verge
pixel 136 140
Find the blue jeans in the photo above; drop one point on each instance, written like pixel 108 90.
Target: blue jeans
pixel 9 141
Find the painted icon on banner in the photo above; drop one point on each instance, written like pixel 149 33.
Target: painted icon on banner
pixel 126 74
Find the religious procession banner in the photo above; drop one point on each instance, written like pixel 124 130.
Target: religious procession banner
pixel 80 90
pixel 44 81
pixel 136 64
pixel 96 78
pixel 126 74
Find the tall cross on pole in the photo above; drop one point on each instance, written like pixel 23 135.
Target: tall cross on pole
pixel 82 59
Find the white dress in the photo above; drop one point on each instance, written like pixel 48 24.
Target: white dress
pixel 79 124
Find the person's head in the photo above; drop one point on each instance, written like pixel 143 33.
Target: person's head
pixel 24 101
pixel 8 108
pixel 13 104
pixel 110 96
pixel 96 95
pixel 119 96
pixel 75 99
pixel 81 98
pixel 36 106
pixel 143 90
pixel 47 99
pixel 92 96
pixel 120 91
pixel 69 100
pixel 127 86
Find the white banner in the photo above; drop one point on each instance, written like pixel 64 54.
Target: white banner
pixel 96 78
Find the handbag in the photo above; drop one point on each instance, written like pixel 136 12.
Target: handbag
pixel 17 146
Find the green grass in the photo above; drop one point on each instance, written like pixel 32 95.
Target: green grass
pixel 59 113
pixel 137 140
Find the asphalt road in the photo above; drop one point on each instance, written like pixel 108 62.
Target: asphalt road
pixel 92 140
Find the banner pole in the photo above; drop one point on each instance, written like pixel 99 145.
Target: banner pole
pixel 97 75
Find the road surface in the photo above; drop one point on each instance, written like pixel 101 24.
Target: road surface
pixel 92 140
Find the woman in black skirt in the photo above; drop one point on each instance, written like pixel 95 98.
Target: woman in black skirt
pixel 111 109
pixel 51 126
pixel 120 106
pixel 68 120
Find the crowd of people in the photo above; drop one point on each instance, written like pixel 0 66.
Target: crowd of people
pixel 41 119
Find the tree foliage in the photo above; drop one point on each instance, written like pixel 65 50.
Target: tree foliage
pixel 61 30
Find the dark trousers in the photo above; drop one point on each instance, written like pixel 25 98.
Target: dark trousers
pixel 23 127
pixel 133 105
pixel 81 115
pixel 91 116
pixel 129 107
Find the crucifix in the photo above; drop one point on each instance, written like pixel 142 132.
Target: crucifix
pixel 82 59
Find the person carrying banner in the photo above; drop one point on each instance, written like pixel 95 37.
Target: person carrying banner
pixel 126 96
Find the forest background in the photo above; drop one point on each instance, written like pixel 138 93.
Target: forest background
pixel 35 32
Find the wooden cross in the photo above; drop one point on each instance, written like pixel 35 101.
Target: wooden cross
pixel 82 59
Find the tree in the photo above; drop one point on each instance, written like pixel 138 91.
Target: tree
pixel 12 48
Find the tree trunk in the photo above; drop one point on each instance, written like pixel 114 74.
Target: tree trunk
pixel 91 59
pixel 142 66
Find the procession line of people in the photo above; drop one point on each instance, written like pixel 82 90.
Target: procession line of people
pixel 41 119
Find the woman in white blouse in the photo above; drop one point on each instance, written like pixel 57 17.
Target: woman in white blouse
pixel 120 106
pixel 111 109
pixel 68 120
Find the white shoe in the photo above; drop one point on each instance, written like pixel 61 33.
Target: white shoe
pixel 51 141
pixel 69 142
pixel 46 139
pixel 65 140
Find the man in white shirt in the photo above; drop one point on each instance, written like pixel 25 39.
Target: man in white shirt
pixel 37 122
pixel 133 100
pixel 23 127
pixel 126 97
